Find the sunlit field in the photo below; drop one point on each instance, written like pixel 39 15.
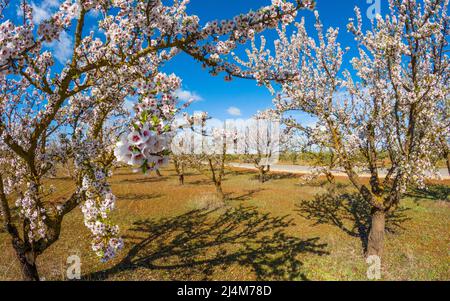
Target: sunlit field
pixel 279 230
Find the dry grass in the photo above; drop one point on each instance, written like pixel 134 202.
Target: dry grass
pixel 270 231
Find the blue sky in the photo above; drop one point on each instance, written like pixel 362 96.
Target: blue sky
pixel 239 98
pixel 241 95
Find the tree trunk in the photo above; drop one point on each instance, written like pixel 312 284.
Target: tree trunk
pixel 375 242
pixel 181 179
pixel 261 176
pixel 27 260
pixel 219 192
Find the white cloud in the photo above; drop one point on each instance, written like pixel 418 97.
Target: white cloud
pixel 62 48
pixel 39 13
pixel 233 111
pixel 185 95
pixel 43 11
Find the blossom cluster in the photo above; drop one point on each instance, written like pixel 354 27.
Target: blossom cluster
pixel 33 212
pixel 14 40
pixel 99 203
pixel 147 144
pixel 50 29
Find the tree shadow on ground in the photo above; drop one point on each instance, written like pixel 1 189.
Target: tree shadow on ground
pixel 240 172
pixel 200 182
pixel 319 183
pixel 349 212
pixel 436 192
pixel 138 197
pixel 144 180
pixel 197 244
pixel 247 195
pixel 273 176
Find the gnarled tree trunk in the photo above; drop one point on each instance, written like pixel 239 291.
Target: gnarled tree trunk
pixel 262 177
pixel 27 259
pixel 375 242
pixel 219 191
pixel 263 170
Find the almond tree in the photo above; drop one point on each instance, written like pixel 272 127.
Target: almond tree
pixel 262 143
pixel 180 161
pixel 293 145
pixel 182 146
pixel 40 99
pixel 210 158
pixel 394 106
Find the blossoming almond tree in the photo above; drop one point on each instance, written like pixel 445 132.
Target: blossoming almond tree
pixel 262 143
pixel 42 100
pixel 183 144
pixel 394 107
pixel 211 162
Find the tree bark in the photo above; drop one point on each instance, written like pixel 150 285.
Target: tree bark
pixel 375 244
pixel 179 168
pixel 181 179
pixel 24 253
pixel 27 260
pixel 219 191
pixel 261 175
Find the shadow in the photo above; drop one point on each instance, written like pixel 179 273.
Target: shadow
pixel 186 174
pixel 138 197
pixel 320 183
pixel 124 171
pixel 244 197
pixel 240 172
pixel 348 212
pixel 200 182
pixel 436 192
pixel 199 243
pixel 280 176
pixel 145 180
pixel 62 178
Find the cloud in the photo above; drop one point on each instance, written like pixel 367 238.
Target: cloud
pixel 39 13
pixel 185 95
pixel 62 48
pixel 233 111
pixel 43 11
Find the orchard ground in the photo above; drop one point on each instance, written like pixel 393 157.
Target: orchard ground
pixel 279 230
